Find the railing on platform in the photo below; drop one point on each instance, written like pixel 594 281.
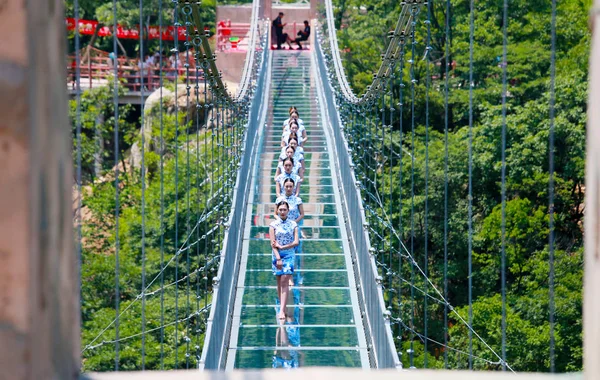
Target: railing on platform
pixel 230 36
pixel 98 71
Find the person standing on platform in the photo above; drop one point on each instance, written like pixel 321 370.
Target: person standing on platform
pixel 281 37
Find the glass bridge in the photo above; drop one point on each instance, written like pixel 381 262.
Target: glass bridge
pixel 324 326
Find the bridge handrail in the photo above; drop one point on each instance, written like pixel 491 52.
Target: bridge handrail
pixel 199 39
pixel 392 53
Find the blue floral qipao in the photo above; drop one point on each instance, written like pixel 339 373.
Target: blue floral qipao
pixel 292 328
pixel 294 213
pixel 283 176
pixel 292 362
pixel 284 234
pixel 293 201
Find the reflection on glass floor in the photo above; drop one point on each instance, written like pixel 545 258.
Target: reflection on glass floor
pixel 323 325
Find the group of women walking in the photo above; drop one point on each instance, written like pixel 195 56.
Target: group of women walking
pixel 284 231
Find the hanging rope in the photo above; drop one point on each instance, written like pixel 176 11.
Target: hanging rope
pixel 117 203
pixel 446 123
pixel 503 254
pixel 470 207
pixel 551 301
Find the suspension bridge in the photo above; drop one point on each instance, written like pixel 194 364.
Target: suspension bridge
pixel 172 263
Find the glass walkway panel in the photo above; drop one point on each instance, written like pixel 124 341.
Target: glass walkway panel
pixel 324 327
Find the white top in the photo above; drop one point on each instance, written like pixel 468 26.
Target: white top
pixel 293 202
pixel 298 154
pixel 301 129
pixel 285 137
pixel 297 166
pixel 287 122
pixel 280 178
pixel 175 61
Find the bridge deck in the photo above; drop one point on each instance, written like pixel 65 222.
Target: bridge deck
pixel 324 327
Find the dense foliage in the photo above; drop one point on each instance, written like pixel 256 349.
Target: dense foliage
pixel 185 198
pixel 362 29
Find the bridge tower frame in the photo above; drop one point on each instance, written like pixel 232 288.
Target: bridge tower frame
pixel 39 278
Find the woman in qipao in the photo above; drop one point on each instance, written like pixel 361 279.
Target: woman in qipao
pixel 298 168
pixel 294 119
pixel 284 238
pixel 292 132
pixel 296 209
pixel 298 153
pixel 288 167
pixel 296 214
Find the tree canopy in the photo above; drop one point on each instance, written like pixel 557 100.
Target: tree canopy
pixel 362 28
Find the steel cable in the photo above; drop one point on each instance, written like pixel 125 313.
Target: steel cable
pixel 117 205
pixel 551 276
pixel 143 179
pixel 446 116
pixel 162 191
pixel 503 237
pixel 470 196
